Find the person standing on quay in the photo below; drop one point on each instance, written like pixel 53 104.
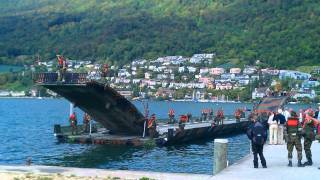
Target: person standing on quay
pixel 273 129
pixel 309 136
pixel 317 114
pixel 281 119
pixel 257 133
pixel 293 137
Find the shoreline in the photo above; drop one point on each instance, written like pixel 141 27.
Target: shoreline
pixel 56 172
pixel 177 100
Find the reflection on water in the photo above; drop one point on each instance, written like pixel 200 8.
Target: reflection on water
pixel 27 125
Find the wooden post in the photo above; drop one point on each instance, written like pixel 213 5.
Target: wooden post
pixel 220 155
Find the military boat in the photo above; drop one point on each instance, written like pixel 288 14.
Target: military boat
pixel 120 122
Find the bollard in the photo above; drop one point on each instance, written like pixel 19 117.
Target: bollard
pixel 220 155
pixel 170 133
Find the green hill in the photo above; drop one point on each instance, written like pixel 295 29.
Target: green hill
pixel 280 33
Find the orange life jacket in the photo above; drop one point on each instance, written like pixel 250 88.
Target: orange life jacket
pixel 183 118
pixel 60 60
pixel 171 112
pixel 151 121
pixel 238 113
pixel 293 122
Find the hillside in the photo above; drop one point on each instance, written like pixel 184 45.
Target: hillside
pixel 281 33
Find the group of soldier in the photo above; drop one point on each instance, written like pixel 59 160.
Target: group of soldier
pixel 295 130
pixel 295 127
pixel 63 65
pixel 74 123
pixel 206 115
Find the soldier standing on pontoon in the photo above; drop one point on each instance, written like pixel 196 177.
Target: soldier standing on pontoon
pixel 62 66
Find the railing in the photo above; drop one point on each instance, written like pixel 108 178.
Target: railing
pixel 53 78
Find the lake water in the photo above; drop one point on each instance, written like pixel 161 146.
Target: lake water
pixel 26 130
pixel 9 68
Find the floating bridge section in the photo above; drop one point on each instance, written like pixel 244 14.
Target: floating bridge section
pixel 271 104
pixel 103 103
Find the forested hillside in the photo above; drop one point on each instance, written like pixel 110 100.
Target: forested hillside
pixel 281 33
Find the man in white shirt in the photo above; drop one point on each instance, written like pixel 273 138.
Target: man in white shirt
pixel 286 113
pixel 273 129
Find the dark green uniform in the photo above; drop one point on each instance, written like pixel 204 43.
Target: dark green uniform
pixel 308 138
pixel 293 137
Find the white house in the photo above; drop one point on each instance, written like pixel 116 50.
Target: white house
pixel 260 92
pixel 181 69
pixel 198 58
pixel 224 86
pixel 235 71
pixel 272 72
pixel 294 75
pixel 204 70
pixel 192 69
pixel 17 93
pixel 249 70
pixel 305 93
pixel 216 71
pixel 147 75
pixel 4 93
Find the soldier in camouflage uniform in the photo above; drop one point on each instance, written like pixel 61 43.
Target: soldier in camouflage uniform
pixel 293 137
pixel 309 136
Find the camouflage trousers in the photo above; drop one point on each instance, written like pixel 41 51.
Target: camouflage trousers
pixel 294 141
pixel 307 147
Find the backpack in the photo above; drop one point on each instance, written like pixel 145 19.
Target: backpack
pixel 258 134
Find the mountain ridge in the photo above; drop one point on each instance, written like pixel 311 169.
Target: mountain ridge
pixel 279 33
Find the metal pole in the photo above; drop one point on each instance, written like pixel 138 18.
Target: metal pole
pixel 90 127
pixel 144 129
pixel 220 155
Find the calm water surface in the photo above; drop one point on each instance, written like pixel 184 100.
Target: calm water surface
pixel 26 130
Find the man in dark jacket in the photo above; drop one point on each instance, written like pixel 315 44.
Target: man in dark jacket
pixel 257 133
pixel 281 119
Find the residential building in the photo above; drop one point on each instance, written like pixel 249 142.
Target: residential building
pixel 147 75
pixel 235 71
pixel 192 69
pixel 198 58
pixel 249 70
pixel 294 75
pixel 260 92
pixel 224 86
pixel 305 93
pixel 272 72
pixel 4 93
pixel 216 71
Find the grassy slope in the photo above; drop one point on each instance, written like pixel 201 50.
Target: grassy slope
pixel 280 33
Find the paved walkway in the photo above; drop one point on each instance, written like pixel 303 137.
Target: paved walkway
pixel 276 157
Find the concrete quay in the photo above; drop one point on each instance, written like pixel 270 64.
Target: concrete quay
pixel 276 157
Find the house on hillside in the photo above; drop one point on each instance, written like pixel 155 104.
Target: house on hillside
pixel 294 75
pixel 310 83
pixel 198 58
pixel 272 72
pixel 260 92
pixel 224 86
pixel 305 93
pixel 4 93
pixel 216 71
pixel 235 71
pixel 249 70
